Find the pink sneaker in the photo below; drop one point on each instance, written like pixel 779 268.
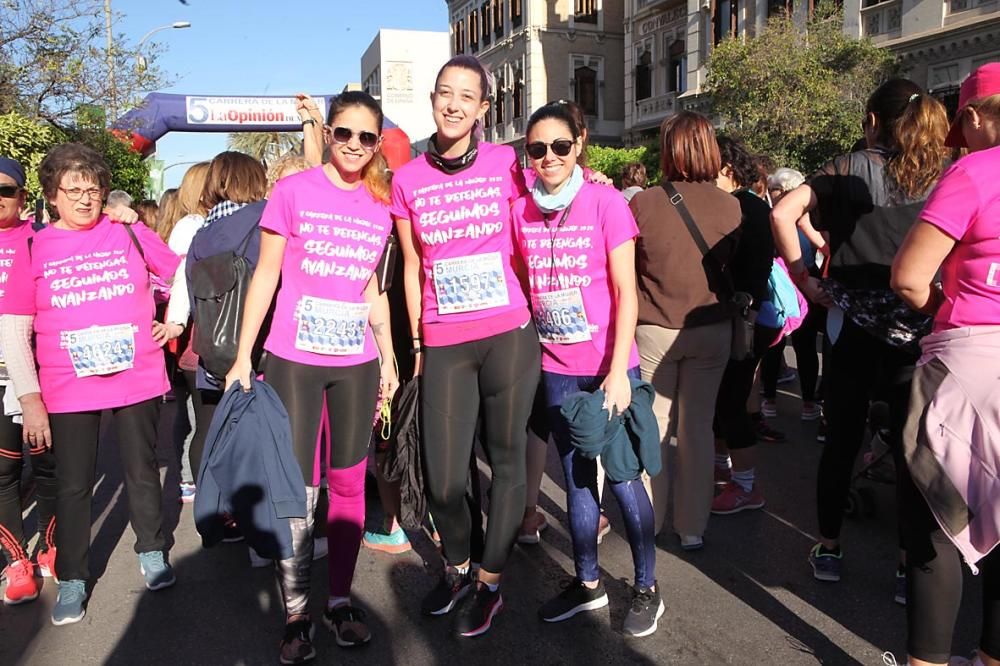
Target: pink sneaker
pixel 734 499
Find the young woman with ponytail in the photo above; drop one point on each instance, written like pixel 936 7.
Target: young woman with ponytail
pixel 867 201
pixel 324 231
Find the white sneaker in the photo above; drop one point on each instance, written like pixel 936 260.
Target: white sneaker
pixel 691 542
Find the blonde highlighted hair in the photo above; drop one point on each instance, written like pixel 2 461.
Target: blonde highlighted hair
pixel 375 175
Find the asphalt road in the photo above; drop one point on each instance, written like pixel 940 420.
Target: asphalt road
pixel 748 598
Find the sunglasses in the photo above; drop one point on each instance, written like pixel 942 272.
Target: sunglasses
pixel 9 191
pixel 368 140
pixel 560 148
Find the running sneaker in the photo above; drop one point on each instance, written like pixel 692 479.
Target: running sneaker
pixel 811 411
pixel 723 475
pixel 155 570
pixel 21 585
pixel 69 603
pixel 452 586
pixel 734 499
pixel 900 595
pixel 826 564
pixel 603 528
pixel 532 528
pixel 787 376
pixel 475 613
pixel 769 407
pixel 821 430
pixel 394 543
pixel 296 644
pixel 647 608
pixel 766 433
pixel 187 493
pixel 348 625
pixel 691 542
pixel 46 560
pixel 575 598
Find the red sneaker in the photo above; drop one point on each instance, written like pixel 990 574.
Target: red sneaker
pixel 21 585
pixel 47 563
pixel 734 499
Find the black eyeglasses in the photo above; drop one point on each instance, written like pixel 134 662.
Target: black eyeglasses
pixel 368 140
pixel 9 191
pixel 560 148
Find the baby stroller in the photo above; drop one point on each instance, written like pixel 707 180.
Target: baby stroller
pixel 877 466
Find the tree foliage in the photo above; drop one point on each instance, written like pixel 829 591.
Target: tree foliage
pixel 53 60
pixel 610 161
pixel 265 146
pixel 797 96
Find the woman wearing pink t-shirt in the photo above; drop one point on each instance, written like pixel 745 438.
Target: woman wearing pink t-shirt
pixel 951 441
pixel 472 333
pixel 324 231
pixel 95 349
pixel 577 240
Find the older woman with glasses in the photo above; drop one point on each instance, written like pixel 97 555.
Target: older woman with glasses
pixel 93 321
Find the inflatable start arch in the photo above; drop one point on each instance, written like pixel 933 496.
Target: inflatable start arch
pixel 160 113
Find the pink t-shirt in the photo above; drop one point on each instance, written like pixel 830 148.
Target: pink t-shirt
pixel 571 290
pixel 462 225
pixel 94 316
pixel 15 271
pixel 966 206
pixel 335 239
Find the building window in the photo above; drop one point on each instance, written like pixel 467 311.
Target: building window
pixel 498 18
pixel 643 72
pixel 516 12
pixel 460 37
pixel 517 96
pixel 474 32
pixel 486 19
pixel 586 89
pixel 585 11
pixel 725 14
pixel 500 98
pixel 779 8
pixel 373 85
pixel 677 66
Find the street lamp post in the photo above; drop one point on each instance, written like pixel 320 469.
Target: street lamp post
pixel 141 59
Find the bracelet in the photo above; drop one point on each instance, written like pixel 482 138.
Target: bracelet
pixel 309 121
pixel 416 350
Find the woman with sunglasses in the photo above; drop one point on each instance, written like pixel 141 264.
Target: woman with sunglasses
pixel 472 333
pixel 324 231
pixel 578 242
pixel 93 308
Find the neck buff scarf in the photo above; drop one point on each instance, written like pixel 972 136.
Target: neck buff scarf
pixel 452 165
pixel 549 203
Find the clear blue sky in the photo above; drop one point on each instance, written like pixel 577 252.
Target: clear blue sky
pixel 253 47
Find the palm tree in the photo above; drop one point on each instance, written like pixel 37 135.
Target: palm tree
pixel 265 146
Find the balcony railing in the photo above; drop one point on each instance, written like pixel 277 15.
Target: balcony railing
pixel 883 20
pixel 653 108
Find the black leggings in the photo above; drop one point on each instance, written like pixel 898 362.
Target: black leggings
pixel 205 403
pixel 732 421
pixel 350 395
pixel 496 379
pixel 75 438
pixel 43 467
pixel 806 358
pixel 862 369
pixel 934 584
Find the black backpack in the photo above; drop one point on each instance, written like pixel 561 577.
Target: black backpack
pixel 219 285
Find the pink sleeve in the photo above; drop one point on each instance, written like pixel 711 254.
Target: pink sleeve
pixel 617 222
pixel 398 207
pixel 519 187
pixel 277 215
pixel 953 205
pixel 161 260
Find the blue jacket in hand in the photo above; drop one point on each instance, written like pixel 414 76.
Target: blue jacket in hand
pixel 248 471
pixel 627 444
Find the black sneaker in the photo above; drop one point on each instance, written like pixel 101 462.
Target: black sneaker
pixel 576 598
pixel 296 644
pixel 453 586
pixel 821 431
pixel 476 612
pixel 766 433
pixel 900 590
pixel 647 607
pixel 348 625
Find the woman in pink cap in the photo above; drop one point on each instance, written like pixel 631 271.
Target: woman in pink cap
pixel 952 438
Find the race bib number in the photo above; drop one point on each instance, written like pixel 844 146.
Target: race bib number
pixel 560 317
pixel 334 328
pixel 100 350
pixel 467 284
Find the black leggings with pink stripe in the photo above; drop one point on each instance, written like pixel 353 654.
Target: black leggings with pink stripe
pixel 43 466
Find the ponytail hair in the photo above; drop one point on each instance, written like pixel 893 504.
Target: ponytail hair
pixel 375 175
pixel 913 125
